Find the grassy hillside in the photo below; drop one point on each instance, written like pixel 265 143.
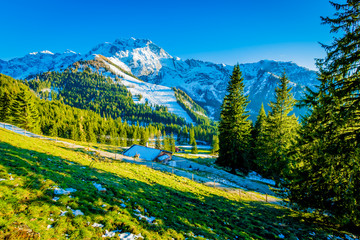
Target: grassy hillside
pixel 30 170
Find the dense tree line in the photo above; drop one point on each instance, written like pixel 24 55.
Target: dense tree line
pixel 85 89
pixel 88 90
pixel 326 172
pixel 20 106
pixel 316 162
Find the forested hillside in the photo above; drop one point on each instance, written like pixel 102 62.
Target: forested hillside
pixel 20 106
pixel 92 91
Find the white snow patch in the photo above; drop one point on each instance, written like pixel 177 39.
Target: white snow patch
pixel 109 234
pixel 55 199
pixel 46 52
pixel 129 236
pixel 77 212
pixel 255 176
pixel 148 219
pixel 99 187
pixel 67 191
pixel 62 213
pixel 97 225
pixel 70 51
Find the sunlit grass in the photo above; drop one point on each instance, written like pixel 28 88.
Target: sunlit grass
pixel 182 208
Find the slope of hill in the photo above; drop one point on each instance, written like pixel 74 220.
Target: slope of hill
pixel 48 190
pixel 144 92
pixel 205 82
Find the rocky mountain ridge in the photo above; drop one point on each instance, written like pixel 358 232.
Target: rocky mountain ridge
pixel 204 81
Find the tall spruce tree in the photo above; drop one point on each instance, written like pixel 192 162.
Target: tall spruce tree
pixel 172 143
pixel 24 111
pixel 5 104
pixel 158 140
pixel 215 144
pixel 166 143
pixel 328 174
pixel 234 127
pixel 280 132
pixel 258 144
pixel 192 136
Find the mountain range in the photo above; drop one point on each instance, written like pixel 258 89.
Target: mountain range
pixel 141 59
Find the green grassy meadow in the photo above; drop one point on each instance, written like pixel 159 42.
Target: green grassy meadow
pixel 30 169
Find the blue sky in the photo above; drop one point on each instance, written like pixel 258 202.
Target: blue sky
pixel 222 31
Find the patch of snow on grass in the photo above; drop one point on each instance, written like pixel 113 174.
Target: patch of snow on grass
pixel 255 176
pixel 148 219
pixel 109 234
pixel 99 187
pixel 67 191
pixel 97 225
pixel 129 236
pixel 55 199
pixel 77 212
pixel 62 213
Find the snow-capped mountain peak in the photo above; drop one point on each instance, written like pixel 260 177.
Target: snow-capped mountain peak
pixel 204 81
pixel 42 52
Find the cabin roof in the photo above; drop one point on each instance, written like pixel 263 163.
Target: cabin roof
pixel 145 153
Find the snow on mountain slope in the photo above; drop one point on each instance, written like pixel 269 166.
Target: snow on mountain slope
pixel 38 62
pixel 204 82
pixel 140 55
pixel 151 93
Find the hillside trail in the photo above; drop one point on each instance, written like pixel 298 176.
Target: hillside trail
pixel 209 176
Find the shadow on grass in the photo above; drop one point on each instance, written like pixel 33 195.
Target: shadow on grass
pixel 176 211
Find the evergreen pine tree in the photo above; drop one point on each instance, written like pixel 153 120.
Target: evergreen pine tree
pixel 158 140
pixel 215 144
pixel 24 111
pixel 280 134
pixel 166 142
pixel 75 135
pixel 194 149
pixel 143 137
pixel 5 104
pixel 135 136
pixel 172 143
pixel 123 137
pixel 82 133
pixel 234 126
pixel 327 176
pixel 91 137
pixel 191 136
pixel 259 144
pixel 54 130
